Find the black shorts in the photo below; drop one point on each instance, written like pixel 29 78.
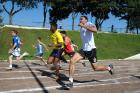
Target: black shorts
pixel 90 55
pixel 57 53
pixel 70 54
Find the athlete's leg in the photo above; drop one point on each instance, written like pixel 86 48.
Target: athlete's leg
pixel 62 58
pixel 102 68
pixel 93 59
pixel 21 56
pixel 57 66
pixel 73 60
pixel 76 57
pixel 50 60
pixel 41 59
pixel 51 57
pixel 10 61
pixel 99 67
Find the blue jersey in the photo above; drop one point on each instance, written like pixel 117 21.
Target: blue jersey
pixel 16 41
pixel 39 48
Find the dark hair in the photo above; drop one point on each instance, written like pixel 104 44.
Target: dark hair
pixel 63 32
pixel 54 25
pixel 39 38
pixel 72 41
pixel 15 31
pixel 85 17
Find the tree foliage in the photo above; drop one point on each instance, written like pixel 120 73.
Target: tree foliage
pixel 61 9
pixel 128 10
pixel 21 4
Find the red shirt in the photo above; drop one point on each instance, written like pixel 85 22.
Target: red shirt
pixel 68 45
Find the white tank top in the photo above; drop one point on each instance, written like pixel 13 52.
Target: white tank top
pixel 87 38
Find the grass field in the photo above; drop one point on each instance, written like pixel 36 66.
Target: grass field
pixel 109 45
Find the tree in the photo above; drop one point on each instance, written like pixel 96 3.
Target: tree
pixel 74 4
pixel 134 22
pixel 46 3
pixel 0 16
pixel 135 17
pixel 17 6
pixel 128 10
pixel 97 8
pixel 59 10
pixel 100 11
pixel 44 11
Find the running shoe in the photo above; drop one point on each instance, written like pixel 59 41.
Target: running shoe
pixel 69 84
pixel 111 69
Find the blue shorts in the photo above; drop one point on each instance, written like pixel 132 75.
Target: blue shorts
pixel 39 54
pixel 57 53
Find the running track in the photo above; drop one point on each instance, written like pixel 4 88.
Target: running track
pixel 34 77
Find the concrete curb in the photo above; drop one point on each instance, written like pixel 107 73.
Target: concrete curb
pixel 134 57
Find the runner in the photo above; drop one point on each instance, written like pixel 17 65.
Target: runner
pixel 58 45
pixel 15 49
pixel 68 47
pixel 40 50
pixel 88 50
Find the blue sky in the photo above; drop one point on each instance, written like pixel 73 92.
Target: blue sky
pixel 34 17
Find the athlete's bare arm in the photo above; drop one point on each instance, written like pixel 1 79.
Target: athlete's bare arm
pixel 89 28
pixel 43 45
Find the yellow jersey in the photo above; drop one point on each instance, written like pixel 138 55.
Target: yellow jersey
pixel 57 38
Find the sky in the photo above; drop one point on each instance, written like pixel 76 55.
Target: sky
pixel 34 17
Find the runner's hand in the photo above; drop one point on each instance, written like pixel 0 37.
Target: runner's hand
pixel 10 51
pixel 82 25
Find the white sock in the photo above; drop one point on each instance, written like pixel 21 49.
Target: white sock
pixel 109 68
pixel 10 66
pixel 71 79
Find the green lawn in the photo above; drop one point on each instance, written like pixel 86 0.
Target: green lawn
pixel 109 45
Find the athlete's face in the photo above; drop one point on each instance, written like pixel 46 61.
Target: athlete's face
pixel 62 34
pixel 13 33
pixel 83 20
pixel 52 29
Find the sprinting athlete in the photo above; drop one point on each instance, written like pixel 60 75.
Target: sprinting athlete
pixel 15 49
pixel 88 50
pixel 40 50
pixel 68 47
pixel 58 45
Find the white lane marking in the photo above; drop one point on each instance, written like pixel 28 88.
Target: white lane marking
pixel 87 84
pixel 25 67
pixel 78 85
pixel 76 75
pixel 7 72
pixel 66 65
pixel 79 69
pixel 22 78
